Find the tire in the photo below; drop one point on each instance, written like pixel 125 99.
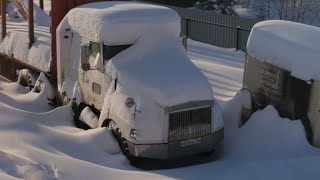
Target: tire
pixel 77 111
pixel 113 127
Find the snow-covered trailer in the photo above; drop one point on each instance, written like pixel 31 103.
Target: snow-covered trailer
pixel 283 69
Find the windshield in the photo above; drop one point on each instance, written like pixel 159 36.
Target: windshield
pixel 110 51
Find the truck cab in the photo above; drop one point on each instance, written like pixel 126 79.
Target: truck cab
pixel 125 60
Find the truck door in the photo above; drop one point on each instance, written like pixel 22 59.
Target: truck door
pixel 93 81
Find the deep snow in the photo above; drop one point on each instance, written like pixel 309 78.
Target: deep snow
pixel 45 145
pixel 39 143
pixel 16 42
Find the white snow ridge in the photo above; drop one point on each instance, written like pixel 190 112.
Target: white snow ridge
pixel 40 142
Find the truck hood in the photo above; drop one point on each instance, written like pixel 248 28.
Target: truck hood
pixel 157 68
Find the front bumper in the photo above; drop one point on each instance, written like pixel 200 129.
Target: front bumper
pixel 176 149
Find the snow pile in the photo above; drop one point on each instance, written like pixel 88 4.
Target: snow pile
pixel 222 67
pixel 119 23
pixel 13 88
pixel 271 137
pixel 45 144
pixel 28 101
pixel 160 70
pixel 292 46
pixel 40 17
pixel 16 42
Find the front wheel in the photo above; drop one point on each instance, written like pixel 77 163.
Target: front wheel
pixel 113 127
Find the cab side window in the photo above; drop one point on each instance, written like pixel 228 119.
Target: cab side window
pixel 111 51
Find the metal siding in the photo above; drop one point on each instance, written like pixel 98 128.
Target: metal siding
pixel 214 34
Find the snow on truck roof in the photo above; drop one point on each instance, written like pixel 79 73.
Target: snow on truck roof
pixel 116 23
pixel 292 46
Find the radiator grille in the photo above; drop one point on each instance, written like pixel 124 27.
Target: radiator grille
pixel 189 124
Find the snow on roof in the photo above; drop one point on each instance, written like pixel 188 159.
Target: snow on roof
pixel 116 23
pixel 292 46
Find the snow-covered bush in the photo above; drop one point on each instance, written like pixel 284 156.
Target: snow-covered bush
pixel 218 6
pixel 303 11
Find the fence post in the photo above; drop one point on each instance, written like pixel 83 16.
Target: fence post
pixel 187 26
pixel 31 23
pixel 238 38
pixel 186 35
pixel 41 4
pixel 3 18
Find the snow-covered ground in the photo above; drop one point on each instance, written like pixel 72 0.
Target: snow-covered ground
pixel 38 142
pixel 222 67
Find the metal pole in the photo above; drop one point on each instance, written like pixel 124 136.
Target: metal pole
pixel 3 18
pixel 238 38
pixel 185 40
pixel 31 23
pixel 41 4
pixel 187 27
pixel 268 9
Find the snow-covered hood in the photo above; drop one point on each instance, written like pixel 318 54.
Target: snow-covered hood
pixel 158 68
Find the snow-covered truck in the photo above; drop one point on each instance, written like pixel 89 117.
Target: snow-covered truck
pixel 126 62
pixel 282 69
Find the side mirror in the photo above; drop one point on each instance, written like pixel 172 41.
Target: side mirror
pixel 98 63
pixel 85 53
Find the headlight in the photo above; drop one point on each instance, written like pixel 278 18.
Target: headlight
pixel 130 102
